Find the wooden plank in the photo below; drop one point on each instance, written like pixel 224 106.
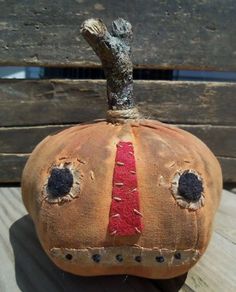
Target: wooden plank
pixel 220 139
pixel 24 139
pixel 167 34
pixel 12 166
pixel 45 102
pixel 216 270
pixel 226 217
pixel 27 137
pixel 228 165
pixel 19 245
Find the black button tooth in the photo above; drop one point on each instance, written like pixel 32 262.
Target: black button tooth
pixel 160 259
pixel 138 259
pixel 177 256
pixel 68 256
pixel 96 258
pixel 119 258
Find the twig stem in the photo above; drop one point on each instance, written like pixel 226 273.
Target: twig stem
pixel 114 51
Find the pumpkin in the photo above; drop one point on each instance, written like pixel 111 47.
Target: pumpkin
pixel 124 195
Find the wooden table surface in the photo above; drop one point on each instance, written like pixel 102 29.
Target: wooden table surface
pixel 25 267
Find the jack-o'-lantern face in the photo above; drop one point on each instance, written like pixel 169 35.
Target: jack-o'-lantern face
pixel 137 198
pixel 125 195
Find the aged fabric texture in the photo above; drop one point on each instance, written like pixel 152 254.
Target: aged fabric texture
pixel 74 232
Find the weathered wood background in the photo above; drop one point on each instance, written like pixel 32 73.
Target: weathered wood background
pixel 167 35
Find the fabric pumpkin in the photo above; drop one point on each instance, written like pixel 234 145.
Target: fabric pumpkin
pixel 125 195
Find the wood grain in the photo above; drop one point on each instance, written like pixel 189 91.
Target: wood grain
pixel 31 110
pixel 220 139
pixel 45 102
pixel 228 165
pixel 167 34
pixel 225 219
pixel 216 270
pixel 11 167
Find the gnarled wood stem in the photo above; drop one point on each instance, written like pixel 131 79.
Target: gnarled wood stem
pixel 114 51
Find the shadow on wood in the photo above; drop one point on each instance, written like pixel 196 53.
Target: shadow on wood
pixel 35 271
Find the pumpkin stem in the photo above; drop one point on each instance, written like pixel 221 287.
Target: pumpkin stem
pixel 114 51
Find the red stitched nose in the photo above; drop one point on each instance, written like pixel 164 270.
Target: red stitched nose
pixel 125 215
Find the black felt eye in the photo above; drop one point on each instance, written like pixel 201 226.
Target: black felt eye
pixel 60 182
pixel 190 186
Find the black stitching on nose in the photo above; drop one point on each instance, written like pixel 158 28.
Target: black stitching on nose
pixel 138 259
pixel 160 259
pixel 119 258
pixel 96 258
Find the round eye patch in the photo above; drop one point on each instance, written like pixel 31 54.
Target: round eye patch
pixel 190 186
pixel 60 182
pixel 187 188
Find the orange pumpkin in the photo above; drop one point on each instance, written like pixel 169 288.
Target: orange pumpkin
pixel 125 195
